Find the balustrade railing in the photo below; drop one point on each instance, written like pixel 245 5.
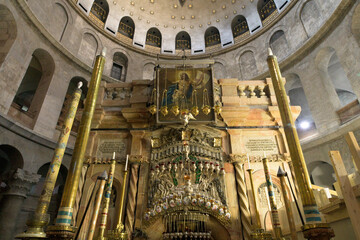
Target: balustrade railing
pixel 153 40
pixel 212 40
pixel 267 10
pixel 99 12
pixel 126 30
pixel 183 44
pixel 240 28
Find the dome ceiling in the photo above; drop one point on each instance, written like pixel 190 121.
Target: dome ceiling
pixel 201 26
pixel 183 14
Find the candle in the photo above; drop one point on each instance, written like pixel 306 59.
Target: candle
pixel 113 155
pixel 264 154
pixel 248 160
pixel 127 161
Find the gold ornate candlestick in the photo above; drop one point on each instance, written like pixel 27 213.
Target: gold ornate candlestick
pixel 314 227
pixel 107 195
pixel 95 214
pixel 40 218
pixel 274 211
pixel 119 233
pixel 281 175
pixel 258 233
pixel 63 229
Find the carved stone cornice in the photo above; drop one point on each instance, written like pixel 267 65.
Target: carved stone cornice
pixel 133 159
pixel 242 158
pixel 21 183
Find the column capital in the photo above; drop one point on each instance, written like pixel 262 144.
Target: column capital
pixel 21 182
pixel 138 159
pixel 237 158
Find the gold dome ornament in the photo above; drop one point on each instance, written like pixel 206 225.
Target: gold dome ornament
pixel 175 110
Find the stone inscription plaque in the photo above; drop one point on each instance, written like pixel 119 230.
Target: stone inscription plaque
pixel 259 145
pixel 106 149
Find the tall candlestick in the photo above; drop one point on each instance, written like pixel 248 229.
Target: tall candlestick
pixel 119 232
pixel 107 195
pixel 95 214
pixel 271 194
pixel 63 226
pixel 248 160
pixel 40 219
pixel 290 216
pixel 258 233
pixel 127 161
pixel 315 228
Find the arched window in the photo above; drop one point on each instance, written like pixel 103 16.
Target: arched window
pixel 305 124
pixel 153 37
pixel 340 81
pixel 119 67
pixel 266 8
pixel 322 174
pixel 100 9
pixel 88 48
pixel 248 65
pixel 310 17
pixel 183 40
pixel 279 44
pixel 212 37
pixel 33 88
pixel 68 98
pixel 127 27
pixel 148 71
pixel 10 160
pixel 239 25
pixel 8 32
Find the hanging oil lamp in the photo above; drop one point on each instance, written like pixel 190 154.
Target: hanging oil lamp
pixel 175 110
pixel 164 109
pixel 152 108
pixel 195 108
pixel 206 105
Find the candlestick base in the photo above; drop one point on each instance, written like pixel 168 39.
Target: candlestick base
pixel 59 232
pixel 319 231
pixel 36 223
pixel 118 234
pixel 260 234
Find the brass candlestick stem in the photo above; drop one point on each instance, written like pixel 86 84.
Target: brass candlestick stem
pixel 315 228
pixel 271 194
pixel 258 233
pixel 40 218
pixel 281 175
pixel 95 213
pixel 105 211
pixel 119 233
pixel 63 228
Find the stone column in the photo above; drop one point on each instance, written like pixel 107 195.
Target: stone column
pixel 135 158
pixel 243 198
pixel 13 199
